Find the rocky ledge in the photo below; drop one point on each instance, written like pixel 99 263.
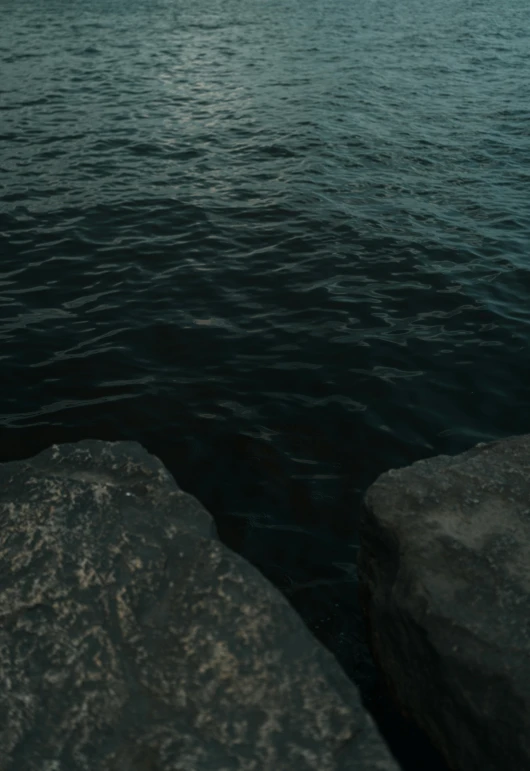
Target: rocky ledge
pixel 444 567
pixel 131 639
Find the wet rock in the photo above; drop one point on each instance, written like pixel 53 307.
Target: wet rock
pixel 131 639
pixel 444 568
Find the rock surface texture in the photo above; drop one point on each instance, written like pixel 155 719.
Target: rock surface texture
pixel 131 639
pixel 444 567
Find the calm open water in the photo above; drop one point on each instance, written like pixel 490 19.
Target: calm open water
pixel 283 244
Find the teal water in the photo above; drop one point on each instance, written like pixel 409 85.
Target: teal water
pixel 284 245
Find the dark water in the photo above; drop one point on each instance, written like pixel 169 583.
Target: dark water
pixel 283 244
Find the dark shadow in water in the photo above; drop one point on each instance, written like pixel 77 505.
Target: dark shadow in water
pixel 410 746
pixel 344 636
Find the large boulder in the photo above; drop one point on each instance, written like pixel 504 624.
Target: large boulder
pixel 444 571
pixel 131 639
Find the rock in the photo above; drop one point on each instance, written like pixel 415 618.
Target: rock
pixel 131 639
pixel 444 570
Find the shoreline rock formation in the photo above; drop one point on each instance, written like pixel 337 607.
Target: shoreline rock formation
pixel 132 639
pixel 444 569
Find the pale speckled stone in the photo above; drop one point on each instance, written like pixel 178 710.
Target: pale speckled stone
pixel 444 567
pixel 131 639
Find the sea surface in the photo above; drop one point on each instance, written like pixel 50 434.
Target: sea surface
pixel 285 245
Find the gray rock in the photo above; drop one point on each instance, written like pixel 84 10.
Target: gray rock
pixel 444 567
pixel 131 639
